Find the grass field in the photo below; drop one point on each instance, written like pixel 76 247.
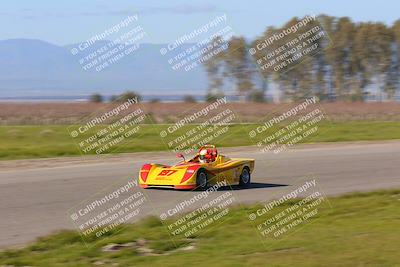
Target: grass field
pixel 40 141
pixel 355 230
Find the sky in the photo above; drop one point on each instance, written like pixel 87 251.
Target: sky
pixel 65 22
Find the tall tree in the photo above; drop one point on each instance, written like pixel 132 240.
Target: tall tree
pixel 393 80
pixel 359 55
pixel 373 54
pixel 214 65
pixel 266 72
pixel 239 66
pixel 340 57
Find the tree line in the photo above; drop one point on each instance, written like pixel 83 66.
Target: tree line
pixel 355 57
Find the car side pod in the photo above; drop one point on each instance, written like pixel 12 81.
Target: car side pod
pixel 144 173
pixel 190 171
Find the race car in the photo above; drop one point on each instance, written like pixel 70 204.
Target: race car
pixel 205 169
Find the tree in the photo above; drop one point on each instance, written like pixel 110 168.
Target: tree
pixel 296 78
pixel 266 72
pixel 373 52
pixel 155 100
pixel 189 99
pixel 393 79
pixel 215 64
pixel 257 96
pixel 113 98
pixel 128 95
pixel 239 66
pixel 358 55
pixel 96 98
pixel 323 77
pixel 340 55
pixel 213 96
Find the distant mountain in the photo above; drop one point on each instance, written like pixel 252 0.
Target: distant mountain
pixel 37 68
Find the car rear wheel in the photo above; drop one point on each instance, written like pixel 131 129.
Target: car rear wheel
pixel 202 180
pixel 244 180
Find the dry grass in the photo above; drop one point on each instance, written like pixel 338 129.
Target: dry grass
pixel 67 113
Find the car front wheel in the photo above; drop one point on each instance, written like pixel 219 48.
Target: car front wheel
pixel 244 180
pixel 202 180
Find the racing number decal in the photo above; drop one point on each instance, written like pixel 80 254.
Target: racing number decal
pixel 166 172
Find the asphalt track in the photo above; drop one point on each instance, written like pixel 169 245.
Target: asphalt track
pixel 36 195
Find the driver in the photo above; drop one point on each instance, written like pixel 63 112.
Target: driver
pixel 206 156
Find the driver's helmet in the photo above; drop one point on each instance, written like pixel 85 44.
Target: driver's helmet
pixel 206 156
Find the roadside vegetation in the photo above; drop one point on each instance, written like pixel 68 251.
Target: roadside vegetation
pixel 351 57
pixel 40 141
pixel 355 230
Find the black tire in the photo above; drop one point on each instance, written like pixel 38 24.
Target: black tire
pixel 245 178
pixel 202 180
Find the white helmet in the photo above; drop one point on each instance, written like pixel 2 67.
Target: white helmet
pixel 202 156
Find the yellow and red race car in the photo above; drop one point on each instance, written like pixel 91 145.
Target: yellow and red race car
pixel 205 169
